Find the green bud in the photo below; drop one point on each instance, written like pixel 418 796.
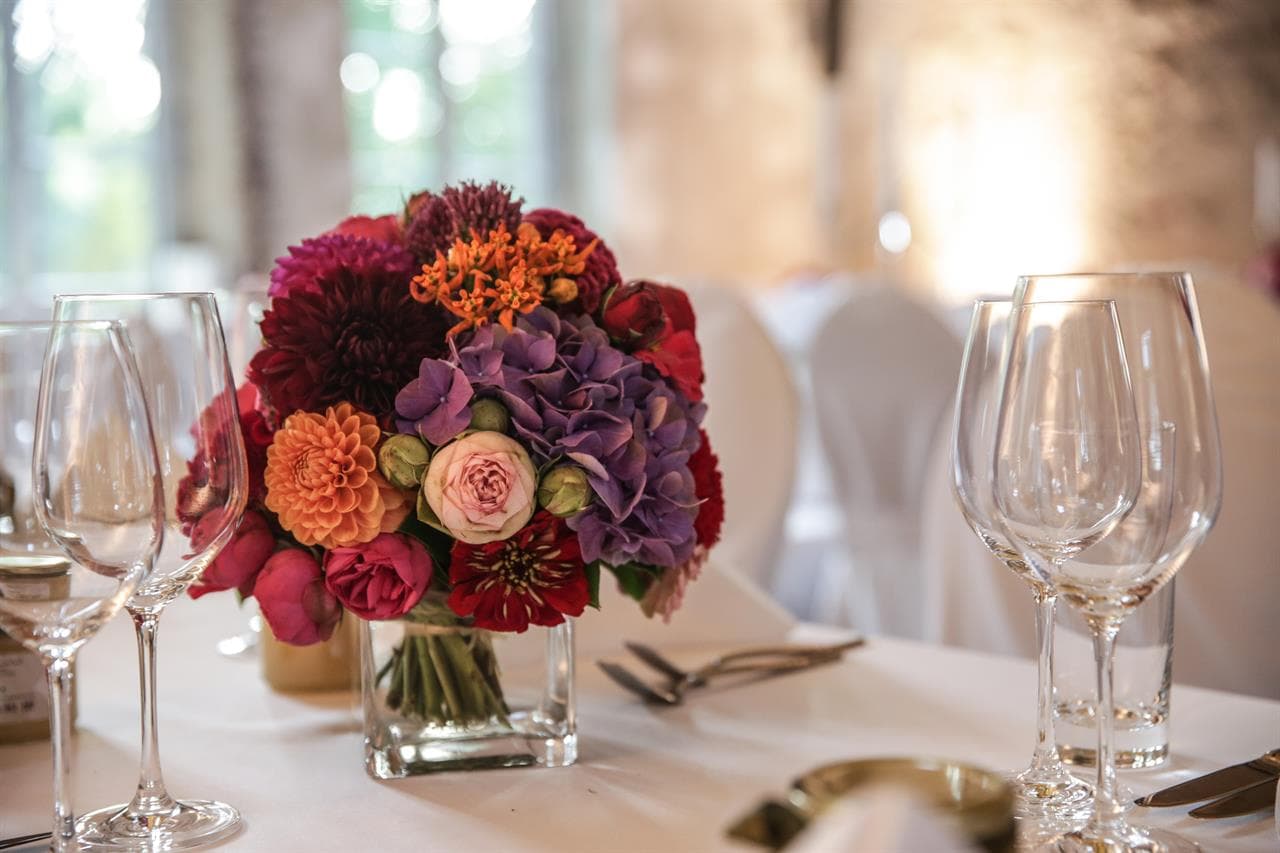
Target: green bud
pixel 564 491
pixel 403 459
pixel 488 414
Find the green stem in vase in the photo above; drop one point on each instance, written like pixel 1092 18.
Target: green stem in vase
pixel 395 689
pixel 453 701
pixel 433 692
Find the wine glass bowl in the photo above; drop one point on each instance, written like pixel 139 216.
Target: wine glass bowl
pixel 1177 500
pixel 1045 789
pixel 91 485
pixel 187 380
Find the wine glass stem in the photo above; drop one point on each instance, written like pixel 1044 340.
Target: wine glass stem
pixel 1107 813
pixel 64 823
pixel 151 797
pixel 1046 754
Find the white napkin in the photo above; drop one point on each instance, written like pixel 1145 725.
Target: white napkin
pixel 882 820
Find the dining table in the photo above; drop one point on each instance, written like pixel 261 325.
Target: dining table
pixel 647 779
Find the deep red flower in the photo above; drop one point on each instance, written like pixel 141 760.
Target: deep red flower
pixel 601 271
pixel 257 434
pixel 634 316
pixel 357 336
pixel 384 229
pixel 534 578
pixel 671 347
pixel 708 485
pixel 309 267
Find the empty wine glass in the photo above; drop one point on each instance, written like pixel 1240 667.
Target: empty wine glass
pixel 182 358
pixel 1171 387
pixel 92 483
pixel 1045 788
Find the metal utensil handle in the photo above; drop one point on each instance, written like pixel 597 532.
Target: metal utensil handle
pixel 779 663
pixel 23 840
pixel 772 652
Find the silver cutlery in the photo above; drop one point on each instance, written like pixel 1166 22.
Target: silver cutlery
pixel 1255 798
pixel 763 661
pixel 23 840
pixel 1263 769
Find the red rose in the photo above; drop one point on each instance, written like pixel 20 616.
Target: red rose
pixel 382 579
pixel 291 592
pixel 385 229
pixel 655 323
pixel 634 316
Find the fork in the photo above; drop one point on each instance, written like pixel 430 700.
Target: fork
pixel 759 657
pixel 763 661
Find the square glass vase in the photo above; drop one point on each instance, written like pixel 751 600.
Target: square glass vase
pixel 442 698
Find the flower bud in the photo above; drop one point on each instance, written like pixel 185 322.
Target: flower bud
pixel 563 290
pixel 489 415
pixel 403 459
pixel 564 491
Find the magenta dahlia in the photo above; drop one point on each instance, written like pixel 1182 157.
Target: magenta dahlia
pixel 345 330
pixel 306 268
pixel 601 271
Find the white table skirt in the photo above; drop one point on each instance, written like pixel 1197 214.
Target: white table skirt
pixel 661 780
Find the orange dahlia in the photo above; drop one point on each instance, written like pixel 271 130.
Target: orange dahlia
pixel 322 479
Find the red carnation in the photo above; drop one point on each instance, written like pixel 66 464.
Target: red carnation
pixel 384 229
pixel 354 335
pixel 536 577
pixel 708 485
pixel 257 434
pixel 655 323
pixel 601 271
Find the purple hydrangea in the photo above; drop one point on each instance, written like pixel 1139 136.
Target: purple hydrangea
pixel 573 396
pixel 435 406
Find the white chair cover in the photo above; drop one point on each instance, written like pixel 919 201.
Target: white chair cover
pixel 883 369
pixel 1225 632
pixel 751 418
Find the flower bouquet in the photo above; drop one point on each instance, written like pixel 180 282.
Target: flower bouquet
pixel 460 416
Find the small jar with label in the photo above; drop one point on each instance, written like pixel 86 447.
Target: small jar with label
pixel 24 692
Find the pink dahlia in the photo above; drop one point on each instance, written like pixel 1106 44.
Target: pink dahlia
pixel 309 267
pixel 601 271
pixel 666 594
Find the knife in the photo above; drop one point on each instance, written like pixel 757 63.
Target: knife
pixel 1265 768
pixel 1252 799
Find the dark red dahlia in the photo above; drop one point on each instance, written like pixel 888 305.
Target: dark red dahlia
pixel 534 578
pixel 357 336
pixel 708 485
pixel 601 272
pixel 480 209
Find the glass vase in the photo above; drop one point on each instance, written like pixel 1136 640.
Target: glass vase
pixel 441 697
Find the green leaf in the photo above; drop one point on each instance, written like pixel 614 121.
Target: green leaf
pixel 634 579
pixel 438 543
pixel 593 584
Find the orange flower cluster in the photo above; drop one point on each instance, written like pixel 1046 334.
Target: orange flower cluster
pixel 322 479
pixel 498 278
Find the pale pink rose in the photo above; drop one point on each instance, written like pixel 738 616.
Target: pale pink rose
pixel 482 487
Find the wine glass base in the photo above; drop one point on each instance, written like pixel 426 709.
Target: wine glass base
pixel 1122 839
pixel 191 823
pixel 1051 795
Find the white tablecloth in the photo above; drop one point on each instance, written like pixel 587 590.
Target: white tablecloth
pixel 662 780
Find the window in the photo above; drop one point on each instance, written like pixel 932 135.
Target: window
pixel 81 105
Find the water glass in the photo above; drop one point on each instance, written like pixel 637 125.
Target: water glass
pixel 1143 672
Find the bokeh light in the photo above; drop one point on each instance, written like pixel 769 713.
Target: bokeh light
pixel 397 105
pixel 359 72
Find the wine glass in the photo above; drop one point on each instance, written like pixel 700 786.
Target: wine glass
pixel 182 357
pixel 1045 788
pixel 1171 387
pixel 91 481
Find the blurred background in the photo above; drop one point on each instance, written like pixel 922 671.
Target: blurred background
pixel 840 176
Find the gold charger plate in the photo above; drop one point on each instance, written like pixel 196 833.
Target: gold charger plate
pixel 979 802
